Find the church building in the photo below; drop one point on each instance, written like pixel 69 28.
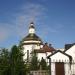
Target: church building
pixel 33 42
pixel 30 42
pixel 61 62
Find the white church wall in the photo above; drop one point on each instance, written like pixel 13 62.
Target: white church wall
pixel 30 48
pixel 71 52
pixel 40 55
pixel 59 58
pixel 67 69
pixel 27 47
pixel 52 68
pixel 37 47
pixel 44 55
pixel 73 68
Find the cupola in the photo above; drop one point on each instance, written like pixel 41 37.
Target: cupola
pixel 31 28
pixel 32 38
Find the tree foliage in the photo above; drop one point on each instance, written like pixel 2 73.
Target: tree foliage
pixel 34 62
pixel 43 64
pixel 11 63
pixel 17 63
pixel 4 62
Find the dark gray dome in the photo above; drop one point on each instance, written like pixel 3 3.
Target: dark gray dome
pixel 33 37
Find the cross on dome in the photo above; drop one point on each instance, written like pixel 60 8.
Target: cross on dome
pixel 31 28
pixel 31 25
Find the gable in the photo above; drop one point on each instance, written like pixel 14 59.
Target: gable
pixel 59 57
pixel 71 51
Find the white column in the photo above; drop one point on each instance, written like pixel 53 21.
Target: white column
pixel 52 68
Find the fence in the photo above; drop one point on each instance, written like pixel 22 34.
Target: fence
pixel 39 72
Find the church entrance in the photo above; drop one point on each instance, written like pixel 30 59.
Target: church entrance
pixel 59 68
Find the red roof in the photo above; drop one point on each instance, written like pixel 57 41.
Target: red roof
pixel 45 49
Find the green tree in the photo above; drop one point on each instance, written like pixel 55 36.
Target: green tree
pixel 43 64
pixel 34 62
pixel 4 62
pixel 17 63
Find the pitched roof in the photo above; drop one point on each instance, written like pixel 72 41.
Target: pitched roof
pixel 68 46
pixel 71 51
pixel 45 49
pixel 61 53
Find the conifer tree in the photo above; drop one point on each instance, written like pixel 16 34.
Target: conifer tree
pixel 43 64
pixel 17 63
pixel 4 62
pixel 34 61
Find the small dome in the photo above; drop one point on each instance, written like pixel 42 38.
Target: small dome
pixel 32 37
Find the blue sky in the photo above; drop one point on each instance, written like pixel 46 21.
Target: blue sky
pixel 54 21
